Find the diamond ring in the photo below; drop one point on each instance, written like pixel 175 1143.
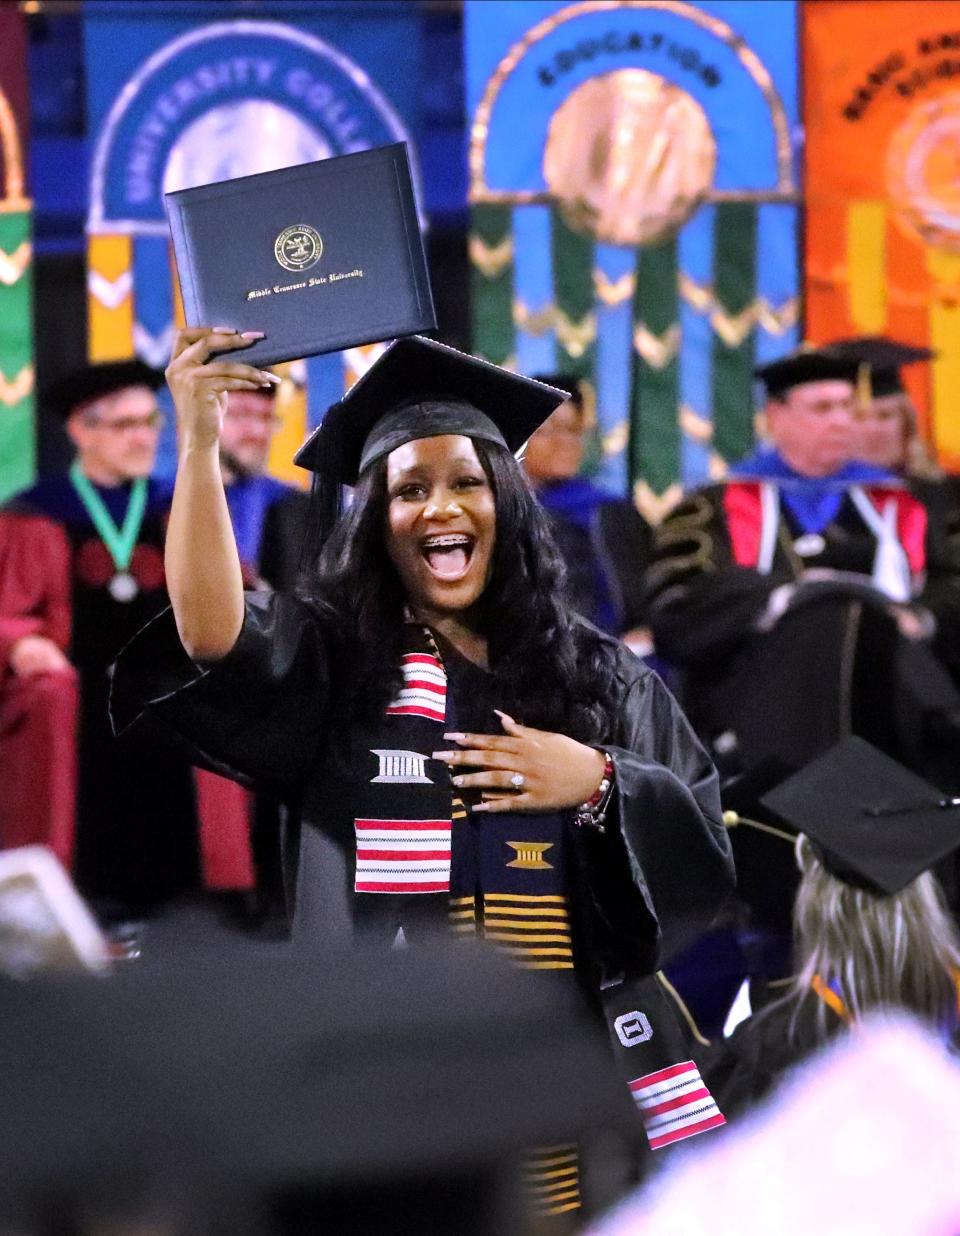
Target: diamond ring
pixel 517 781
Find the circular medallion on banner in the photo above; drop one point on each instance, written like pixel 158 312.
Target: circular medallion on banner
pixel 923 172
pixel 629 156
pixel 123 587
pixel 299 247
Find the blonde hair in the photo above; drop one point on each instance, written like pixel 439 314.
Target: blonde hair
pixel 918 458
pixel 881 952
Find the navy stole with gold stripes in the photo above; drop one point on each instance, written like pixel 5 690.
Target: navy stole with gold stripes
pixel 415 840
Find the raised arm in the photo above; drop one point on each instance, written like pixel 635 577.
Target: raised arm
pixel 202 563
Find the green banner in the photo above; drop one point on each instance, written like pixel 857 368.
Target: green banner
pixel 17 445
pixel 654 432
pixel 575 321
pixel 734 340
pixel 491 260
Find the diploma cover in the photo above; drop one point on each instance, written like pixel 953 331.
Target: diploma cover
pixel 320 257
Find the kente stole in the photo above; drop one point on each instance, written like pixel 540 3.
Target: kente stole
pixel 506 878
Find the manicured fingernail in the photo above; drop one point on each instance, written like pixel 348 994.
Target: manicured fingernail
pixel 441 755
pixel 223 330
pixel 270 379
pixel 502 715
pixel 455 737
pixel 457 780
pixel 480 807
pixel 252 334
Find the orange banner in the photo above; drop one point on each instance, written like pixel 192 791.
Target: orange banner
pixel 882 176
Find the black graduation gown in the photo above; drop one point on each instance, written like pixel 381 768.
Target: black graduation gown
pixel 136 825
pixel 743 1069
pixel 835 663
pixel 635 894
pixel 941 594
pixel 651 883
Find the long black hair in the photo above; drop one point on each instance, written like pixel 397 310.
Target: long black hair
pixel 548 666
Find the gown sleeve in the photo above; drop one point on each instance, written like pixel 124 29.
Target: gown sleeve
pixel 663 868
pixel 34 582
pixel 701 601
pixel 258 715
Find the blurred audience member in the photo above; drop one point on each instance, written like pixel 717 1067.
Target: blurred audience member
pixel 888 435
pixel 794 596
pixel 887 432
pixel 604 541
pixel 268 516
pixel 871 930
pixel 81 570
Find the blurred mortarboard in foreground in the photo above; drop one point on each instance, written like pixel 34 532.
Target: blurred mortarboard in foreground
pixel 876 824
pixel 91 382
pixel 878 360
pixel 272 1071
pixel 420 389
pixel 767 873
pixel 808 364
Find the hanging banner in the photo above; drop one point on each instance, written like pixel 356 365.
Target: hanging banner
pixel 191 93
pixel 17 436
pixel 633 215
pixel 882 117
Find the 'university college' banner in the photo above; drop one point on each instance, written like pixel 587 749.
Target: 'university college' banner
pixel 181 94
pixel 633 197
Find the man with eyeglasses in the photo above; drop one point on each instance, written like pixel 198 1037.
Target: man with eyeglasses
pixel 81 570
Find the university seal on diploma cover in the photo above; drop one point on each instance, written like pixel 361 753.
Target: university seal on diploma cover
pixel 320 257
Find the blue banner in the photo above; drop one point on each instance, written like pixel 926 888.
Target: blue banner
pixel 716 84
pixel 181 94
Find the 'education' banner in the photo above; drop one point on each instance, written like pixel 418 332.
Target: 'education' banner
pixel 633 217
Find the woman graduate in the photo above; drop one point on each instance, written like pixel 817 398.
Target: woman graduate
pixel 465 752
pixel 871 929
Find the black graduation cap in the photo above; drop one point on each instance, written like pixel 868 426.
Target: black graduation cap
pixel 808 364
pixel 420 389
pixel 94 381
pixel 561 382
pixel 373 1074
pixel 876 824
pixel 878 361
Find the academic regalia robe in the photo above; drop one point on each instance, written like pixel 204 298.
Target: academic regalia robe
pixel 604 543
pixel 269 521
pixel 941 594
pixel 743 1069
pixel 635 894
pixel 123 814
pixel 758 685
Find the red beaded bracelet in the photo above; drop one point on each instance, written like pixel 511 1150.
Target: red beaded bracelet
pixel 592 813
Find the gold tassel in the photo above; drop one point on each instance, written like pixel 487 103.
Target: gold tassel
pixel 864 386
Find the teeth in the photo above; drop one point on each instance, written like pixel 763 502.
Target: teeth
pixel 435 542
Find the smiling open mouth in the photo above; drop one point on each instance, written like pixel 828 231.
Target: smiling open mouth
pixel 448 556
